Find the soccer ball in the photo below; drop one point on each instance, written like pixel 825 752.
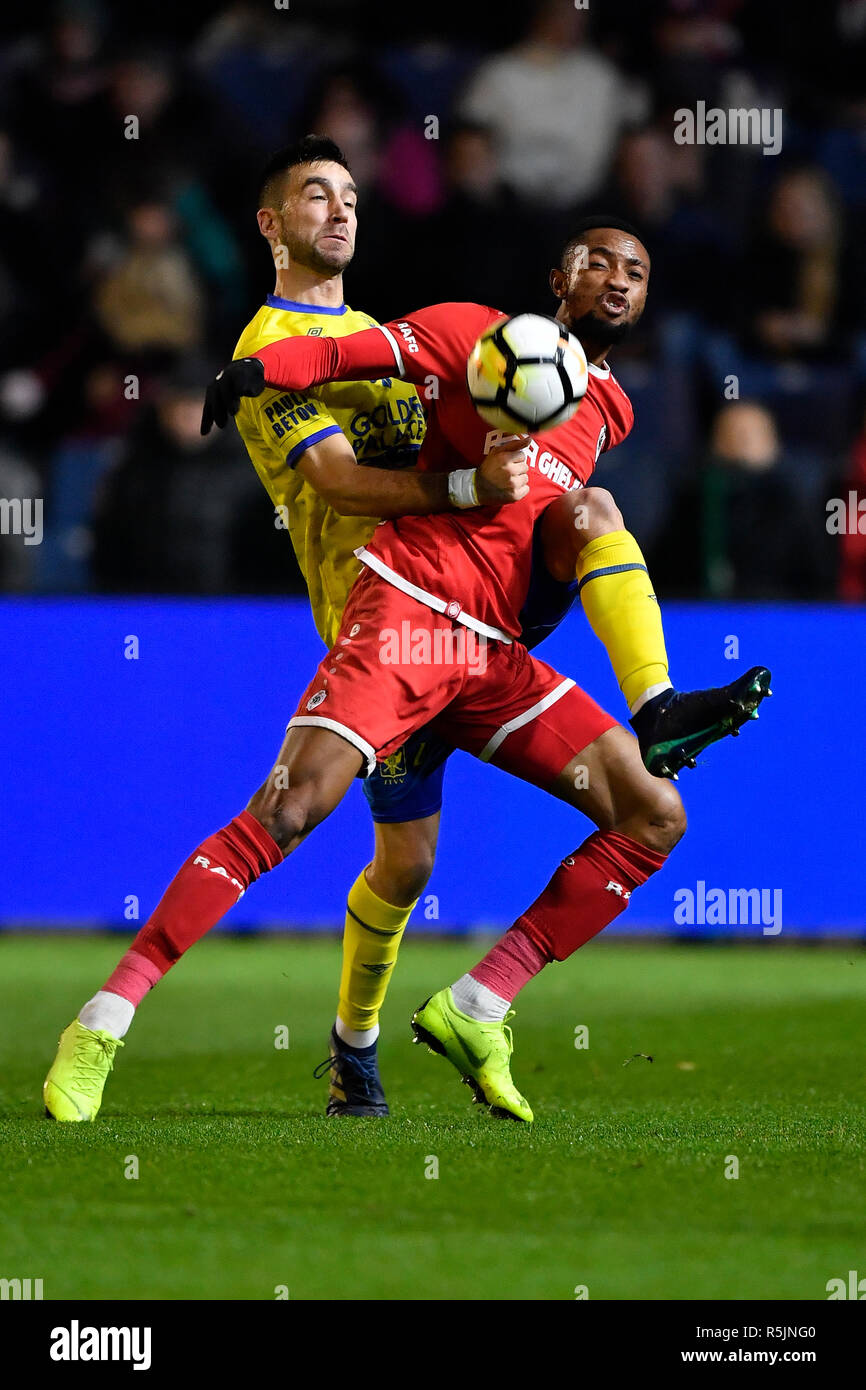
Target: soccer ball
pixel 526 373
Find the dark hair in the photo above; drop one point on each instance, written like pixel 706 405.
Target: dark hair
pixel 310 149
pixel 586 224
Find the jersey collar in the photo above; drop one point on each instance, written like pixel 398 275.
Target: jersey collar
pixel 601 372
pixel 274 301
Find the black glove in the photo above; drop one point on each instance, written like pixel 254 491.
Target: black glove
pixel 245 377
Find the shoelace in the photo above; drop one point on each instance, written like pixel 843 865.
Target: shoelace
pixel 87 1074
pixel 363 1068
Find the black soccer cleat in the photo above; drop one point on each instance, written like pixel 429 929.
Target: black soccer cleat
pixel 676 726
pixel 355 1087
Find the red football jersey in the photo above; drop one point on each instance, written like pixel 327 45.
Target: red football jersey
pixel 474 564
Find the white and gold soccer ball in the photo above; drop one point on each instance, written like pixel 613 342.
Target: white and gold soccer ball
pixel 526 373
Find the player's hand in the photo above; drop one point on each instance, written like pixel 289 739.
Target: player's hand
pixel 504 474
pixel 245 377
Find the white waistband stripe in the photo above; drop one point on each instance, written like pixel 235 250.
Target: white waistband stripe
pixel 318 721
pixel 525 718
pixel 437 604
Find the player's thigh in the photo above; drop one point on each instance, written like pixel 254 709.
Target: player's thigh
pixel 522 715
pixel 606 780
pixel 526 718
pixel 313 771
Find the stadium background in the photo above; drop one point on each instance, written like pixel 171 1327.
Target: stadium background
pixel 123 257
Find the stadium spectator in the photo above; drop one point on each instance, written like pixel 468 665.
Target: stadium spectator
pixel 55 85
pixel 167 512
pixel 792 300
pixel 739 529
pixel 149 301
pixel 662 188
pixel 852 541
pixel 556 106
pixel 476 199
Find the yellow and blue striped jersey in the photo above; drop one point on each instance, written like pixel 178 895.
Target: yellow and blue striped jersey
pixel 382 420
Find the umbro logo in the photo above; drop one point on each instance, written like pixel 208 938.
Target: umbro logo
pixel 377 969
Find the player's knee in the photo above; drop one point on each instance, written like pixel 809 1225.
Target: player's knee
pixel 597 513
pixel 661 822
pixel 400 878
pixel 287 814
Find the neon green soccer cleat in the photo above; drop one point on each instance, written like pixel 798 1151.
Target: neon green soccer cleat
pixel 72 1090
pixel 481 1052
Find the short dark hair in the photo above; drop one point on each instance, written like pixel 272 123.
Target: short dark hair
pixel 586 224
pixel 310 149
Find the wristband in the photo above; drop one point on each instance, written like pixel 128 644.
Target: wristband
pixel 461 488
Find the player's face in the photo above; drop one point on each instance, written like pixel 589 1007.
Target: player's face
pixel 318 219
pixel 604 287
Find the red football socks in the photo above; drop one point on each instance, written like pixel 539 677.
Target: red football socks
pixel 212 880
pixel 588 890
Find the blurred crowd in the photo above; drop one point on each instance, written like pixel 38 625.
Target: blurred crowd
pixel 131 139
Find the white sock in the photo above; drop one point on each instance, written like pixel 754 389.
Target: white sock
pixel 479 1002
pixel 108 1013
pixel 356 1037
pixel 649 695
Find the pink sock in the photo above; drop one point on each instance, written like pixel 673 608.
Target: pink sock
pixel 511 963
pixel 132 977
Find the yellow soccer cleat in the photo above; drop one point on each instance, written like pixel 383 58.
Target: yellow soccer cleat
pixel 481 1052
pixel 72 1090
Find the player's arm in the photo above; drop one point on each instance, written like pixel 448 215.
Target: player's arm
pixel 431 343
pixel 299 431
pixel 353 489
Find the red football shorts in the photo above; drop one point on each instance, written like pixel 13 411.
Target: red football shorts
pixel 397 665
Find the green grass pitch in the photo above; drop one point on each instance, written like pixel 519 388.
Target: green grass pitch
pixel 243 1186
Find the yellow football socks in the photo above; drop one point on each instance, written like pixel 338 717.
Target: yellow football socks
pixel 623 612
pixel 371 940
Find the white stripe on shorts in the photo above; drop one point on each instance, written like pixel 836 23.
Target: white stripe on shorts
pixel 525 718
pixel 343 730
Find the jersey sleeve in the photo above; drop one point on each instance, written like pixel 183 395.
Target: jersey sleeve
pixel 287 421
pixel 437 341
pixel 430 342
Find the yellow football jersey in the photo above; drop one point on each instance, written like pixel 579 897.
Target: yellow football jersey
pixel 382 420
